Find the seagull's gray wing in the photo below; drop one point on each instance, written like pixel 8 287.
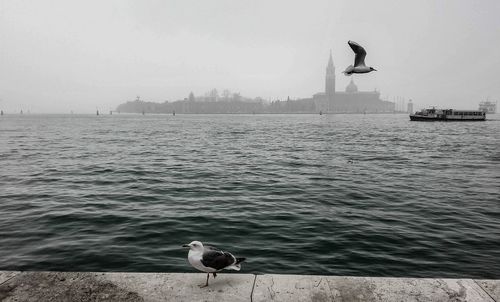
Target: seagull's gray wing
pixel 359 59
pixel 217 259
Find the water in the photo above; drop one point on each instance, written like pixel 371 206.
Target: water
pixel 124 192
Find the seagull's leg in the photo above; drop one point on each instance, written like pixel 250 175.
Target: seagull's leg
pixel 206 284
pixel 215 275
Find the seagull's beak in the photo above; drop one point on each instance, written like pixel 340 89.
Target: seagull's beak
pixel 374 69
pixel 185 245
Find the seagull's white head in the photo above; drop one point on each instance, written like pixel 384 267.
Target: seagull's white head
pixel 194 246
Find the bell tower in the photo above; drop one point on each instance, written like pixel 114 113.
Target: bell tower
pixel 330 79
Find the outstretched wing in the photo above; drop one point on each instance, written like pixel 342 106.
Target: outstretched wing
pixel 359 59
pixel 217 259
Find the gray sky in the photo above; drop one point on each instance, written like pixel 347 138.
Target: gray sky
pixel 57 56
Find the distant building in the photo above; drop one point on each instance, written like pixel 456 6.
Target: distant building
pixel 410 108
pixel 349 101
pixel 488 107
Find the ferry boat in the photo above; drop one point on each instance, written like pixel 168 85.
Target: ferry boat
pixel 434 114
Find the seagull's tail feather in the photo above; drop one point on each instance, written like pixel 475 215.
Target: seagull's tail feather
pixel 237 265
pixel 348 70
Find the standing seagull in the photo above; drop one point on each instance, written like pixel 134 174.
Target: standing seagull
pixel 208 259
pixel 359 60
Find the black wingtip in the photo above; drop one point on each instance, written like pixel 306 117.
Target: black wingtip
pixel 239 260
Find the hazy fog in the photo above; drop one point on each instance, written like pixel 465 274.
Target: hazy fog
pixel 57 56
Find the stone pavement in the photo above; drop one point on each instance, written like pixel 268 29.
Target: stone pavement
pixel 82 287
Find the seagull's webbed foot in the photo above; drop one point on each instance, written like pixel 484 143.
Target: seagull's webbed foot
pixel 206 284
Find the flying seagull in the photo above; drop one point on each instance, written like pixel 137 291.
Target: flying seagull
pixel 359 60
pixel 209 259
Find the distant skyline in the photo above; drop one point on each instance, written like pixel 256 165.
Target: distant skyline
pixel 62 56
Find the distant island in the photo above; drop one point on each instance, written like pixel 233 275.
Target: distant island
pixel 210 103
pixel 330 101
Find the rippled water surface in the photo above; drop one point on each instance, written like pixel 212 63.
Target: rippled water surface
pixel 358 195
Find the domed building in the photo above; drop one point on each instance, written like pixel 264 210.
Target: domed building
pixel 351 88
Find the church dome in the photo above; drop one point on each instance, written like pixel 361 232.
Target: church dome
pixel 351 87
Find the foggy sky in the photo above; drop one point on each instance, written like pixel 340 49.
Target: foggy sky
pixel 57 56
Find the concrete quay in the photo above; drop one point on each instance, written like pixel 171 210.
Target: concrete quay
pixel 82 287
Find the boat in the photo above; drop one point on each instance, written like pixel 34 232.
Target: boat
pixel 488 107
pixel 434 114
